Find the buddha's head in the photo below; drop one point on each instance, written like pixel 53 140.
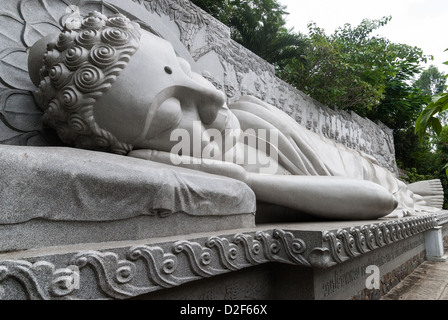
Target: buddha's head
pixel 113 86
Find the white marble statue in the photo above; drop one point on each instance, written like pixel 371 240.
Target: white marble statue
pixel 114 87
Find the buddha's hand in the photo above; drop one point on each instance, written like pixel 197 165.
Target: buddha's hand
pixel 221 168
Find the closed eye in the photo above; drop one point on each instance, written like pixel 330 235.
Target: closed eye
pixel 186 68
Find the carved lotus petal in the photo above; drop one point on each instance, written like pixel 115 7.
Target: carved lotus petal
pixel 34 32
pixel 19 112
pixel 44 10
pixel 14 69
pixel 10 30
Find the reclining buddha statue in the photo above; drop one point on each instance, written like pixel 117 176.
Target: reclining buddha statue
pixel 113 86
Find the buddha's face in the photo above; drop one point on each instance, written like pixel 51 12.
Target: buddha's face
pixel 157 93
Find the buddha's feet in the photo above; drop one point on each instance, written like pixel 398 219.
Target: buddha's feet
pixel 431 192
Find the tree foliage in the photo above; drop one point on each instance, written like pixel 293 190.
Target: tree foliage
pixel 442 160
pixel 431 81
pixel 216 8
pixel 429 119
pixel 352 69
pixel 258 25
pixel 399 110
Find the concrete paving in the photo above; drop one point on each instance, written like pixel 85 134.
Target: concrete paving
pixel 428 282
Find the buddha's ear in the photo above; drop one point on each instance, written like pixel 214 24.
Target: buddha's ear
pixel 36 56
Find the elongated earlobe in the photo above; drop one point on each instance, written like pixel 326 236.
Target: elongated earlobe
pixel 35 57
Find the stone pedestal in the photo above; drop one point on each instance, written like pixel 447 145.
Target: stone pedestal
pixel 291 261
pixel 434 245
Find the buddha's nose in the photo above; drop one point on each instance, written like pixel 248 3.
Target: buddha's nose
pixel 209 101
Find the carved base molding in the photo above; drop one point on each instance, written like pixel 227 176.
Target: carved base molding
pixel 121 270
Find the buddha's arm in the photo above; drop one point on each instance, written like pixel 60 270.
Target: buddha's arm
pixel 322 196
pixel 221 168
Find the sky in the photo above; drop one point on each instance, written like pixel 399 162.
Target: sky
pixel 420 23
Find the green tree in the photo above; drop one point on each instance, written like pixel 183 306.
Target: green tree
pixel 402 101
pixel 431 81
pixel 323 73
pixel 220 9
pixel 258 25
pixel 428 122
pixel 354 70
pixel 442 159
pixel 429 119
pixel 399 109
pixel 412 152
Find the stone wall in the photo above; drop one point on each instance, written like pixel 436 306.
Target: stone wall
pixel 197 37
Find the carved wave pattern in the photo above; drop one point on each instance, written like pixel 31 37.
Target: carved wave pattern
pixel 344 244
pixel 146 269
pixel 41 280
pixel 442 218
pixel 130 272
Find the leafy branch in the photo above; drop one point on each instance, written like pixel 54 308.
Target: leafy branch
pixel 428 118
